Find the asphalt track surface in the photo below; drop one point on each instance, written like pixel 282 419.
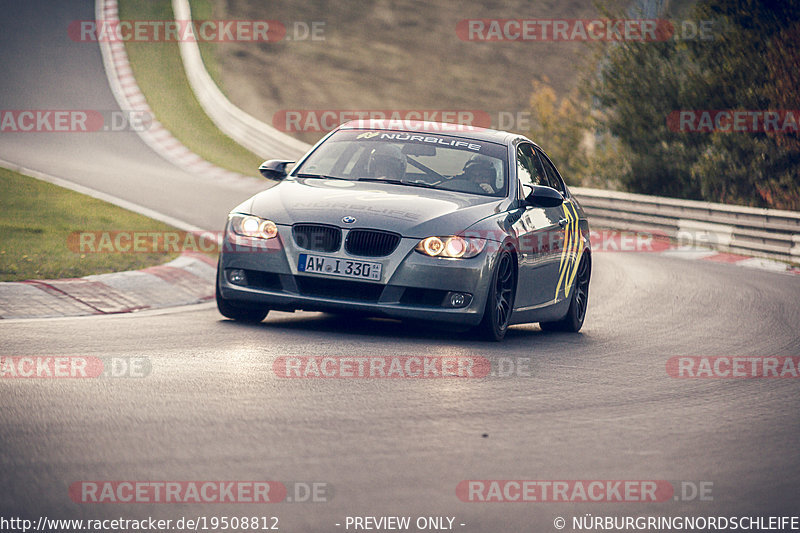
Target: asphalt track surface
pixel 50 71
pixel 595 406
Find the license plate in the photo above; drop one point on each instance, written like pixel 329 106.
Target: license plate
pixel 334 266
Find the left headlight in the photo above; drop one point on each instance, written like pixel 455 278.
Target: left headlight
pixel 252 226
pixel 451 246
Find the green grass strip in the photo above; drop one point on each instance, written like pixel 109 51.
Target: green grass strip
pixel 158 70
pixel 37 218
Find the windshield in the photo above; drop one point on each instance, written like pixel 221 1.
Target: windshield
pixel 411 159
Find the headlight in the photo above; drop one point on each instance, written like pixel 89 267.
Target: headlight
pixel 252 226
pixel 453 246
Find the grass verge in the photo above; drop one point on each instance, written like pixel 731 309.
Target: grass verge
pixel 36 219
pixel 159 73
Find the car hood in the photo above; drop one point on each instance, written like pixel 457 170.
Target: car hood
pixel 410 211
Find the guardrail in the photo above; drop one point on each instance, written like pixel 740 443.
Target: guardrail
pixel 129 97
pixel 259 138
pixel 751 231
pixel 737 229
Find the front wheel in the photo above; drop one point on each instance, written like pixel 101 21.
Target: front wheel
pixel 573 320
pixel 500 301
pixel 239 312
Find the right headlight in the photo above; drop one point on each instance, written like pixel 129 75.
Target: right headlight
pixel 451 246
pixel 252 226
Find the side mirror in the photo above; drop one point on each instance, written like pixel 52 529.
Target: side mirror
pixel 274 169
pixel 543 196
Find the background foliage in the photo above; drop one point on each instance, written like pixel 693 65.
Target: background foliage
pixel 613 132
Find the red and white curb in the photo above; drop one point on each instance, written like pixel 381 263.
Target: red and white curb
pixel 612 240
pixel 703 254
pixel 189 279
pixel 130 98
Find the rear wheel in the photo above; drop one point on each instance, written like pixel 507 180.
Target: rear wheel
pixel 573 320
pixel 239 311
pixel 500 301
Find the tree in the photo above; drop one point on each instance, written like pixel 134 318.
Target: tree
pixel 561 129
pixel 750 64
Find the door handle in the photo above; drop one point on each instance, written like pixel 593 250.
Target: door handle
pixel 562 222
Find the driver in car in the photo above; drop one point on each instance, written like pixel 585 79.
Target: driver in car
pixel 387 161
pixel 480 171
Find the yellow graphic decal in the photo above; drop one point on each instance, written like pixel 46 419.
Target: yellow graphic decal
pixel 564 248
pixel 575 262
pixel 368 135
pixel 565 244
pixel 573 246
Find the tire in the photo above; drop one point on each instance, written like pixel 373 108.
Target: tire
pixel 500 300
pixel 239 311
pixel 573 320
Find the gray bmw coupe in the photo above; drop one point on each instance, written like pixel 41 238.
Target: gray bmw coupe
pixel 438 222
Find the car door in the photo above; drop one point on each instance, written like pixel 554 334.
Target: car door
pixel 570 241
pixel 538 233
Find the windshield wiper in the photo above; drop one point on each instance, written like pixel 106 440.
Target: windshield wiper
pixel 400 182
pixel 320 176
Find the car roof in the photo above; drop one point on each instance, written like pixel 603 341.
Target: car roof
pixel 434 128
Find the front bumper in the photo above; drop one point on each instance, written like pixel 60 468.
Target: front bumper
pixel 412 285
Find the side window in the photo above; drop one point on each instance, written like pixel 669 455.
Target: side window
pixel 552 174
pixel 529 170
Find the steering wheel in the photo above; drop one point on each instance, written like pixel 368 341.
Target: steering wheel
pixel 427 170
pixel 464 185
